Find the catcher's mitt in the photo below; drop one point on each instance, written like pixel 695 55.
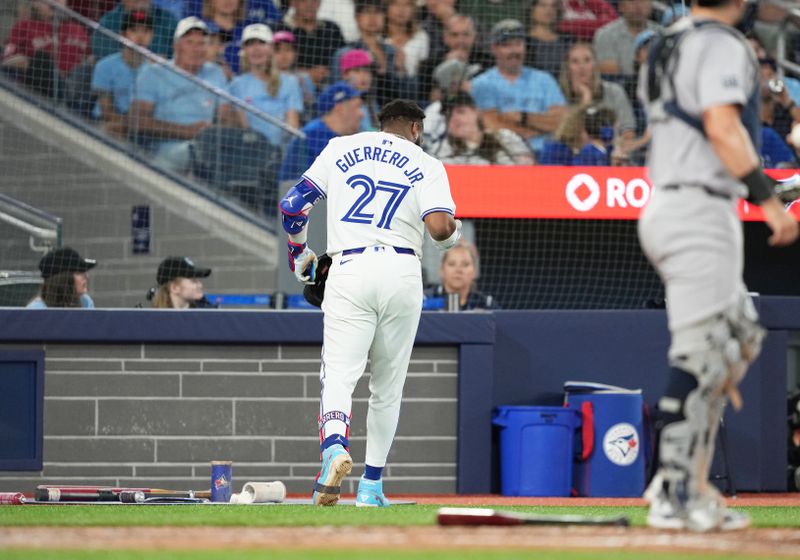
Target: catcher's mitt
pixel 315 293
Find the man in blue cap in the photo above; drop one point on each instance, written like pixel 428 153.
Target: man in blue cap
pixel 339 107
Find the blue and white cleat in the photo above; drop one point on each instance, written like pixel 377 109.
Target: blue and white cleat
pixel 336 464
pixel 370 494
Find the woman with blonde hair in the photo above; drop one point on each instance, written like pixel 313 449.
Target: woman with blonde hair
pixel 458 273
pixel 404 32
pixel 179 286
pixel 582 86
pixel 264 87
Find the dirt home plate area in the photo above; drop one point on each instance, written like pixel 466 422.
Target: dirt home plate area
pixel 767 542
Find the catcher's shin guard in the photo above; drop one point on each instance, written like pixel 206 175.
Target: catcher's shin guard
pixel 708 358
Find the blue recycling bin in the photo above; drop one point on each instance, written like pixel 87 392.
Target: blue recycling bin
pixel 536 448
pixel 612 459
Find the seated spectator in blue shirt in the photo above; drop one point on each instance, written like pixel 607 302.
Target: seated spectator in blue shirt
pixel 170 109
pixel 163 28
pixel 264 87
pixel 113 77
pixel 66 282
pixel 516 97
pixel 458 274
pixel 340 107
pixel 285 55
pixel 598 128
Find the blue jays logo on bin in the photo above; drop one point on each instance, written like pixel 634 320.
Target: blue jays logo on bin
pixel 221 481
pixel 621 444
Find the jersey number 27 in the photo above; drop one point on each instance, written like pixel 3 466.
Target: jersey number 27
pixel 358 214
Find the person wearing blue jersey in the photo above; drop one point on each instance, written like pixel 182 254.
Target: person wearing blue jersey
pixel 170 110
pixel 264 87
pixel 340 107
pixel 513 96
pixel 114 76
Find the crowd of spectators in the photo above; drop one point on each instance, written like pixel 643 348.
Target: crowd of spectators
pixel 502 82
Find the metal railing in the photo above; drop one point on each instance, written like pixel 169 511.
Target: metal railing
pixel 38 224
pixel 151 56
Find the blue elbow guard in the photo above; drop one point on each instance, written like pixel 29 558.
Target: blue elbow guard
pixel 295 206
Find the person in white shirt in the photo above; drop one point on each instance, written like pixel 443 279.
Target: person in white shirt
pixel 382 192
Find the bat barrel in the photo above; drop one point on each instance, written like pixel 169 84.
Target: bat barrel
pixel 12 498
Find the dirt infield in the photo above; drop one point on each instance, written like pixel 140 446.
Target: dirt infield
pixel 772 543
pixel 767 542
pixel 744 500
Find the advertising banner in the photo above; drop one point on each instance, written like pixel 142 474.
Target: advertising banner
pixel 551 192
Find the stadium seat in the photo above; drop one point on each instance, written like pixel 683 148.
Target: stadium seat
pixel 238 161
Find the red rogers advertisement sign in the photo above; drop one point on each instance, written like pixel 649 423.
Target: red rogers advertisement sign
pixel 584 193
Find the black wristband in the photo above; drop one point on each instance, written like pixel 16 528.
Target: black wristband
pixel 759 186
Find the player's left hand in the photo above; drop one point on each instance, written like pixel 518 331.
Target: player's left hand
pixel 303 262
pixel 783 224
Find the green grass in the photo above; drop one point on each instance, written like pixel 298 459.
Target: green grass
pixel 297 516
pixel 350 517
pixel 363 555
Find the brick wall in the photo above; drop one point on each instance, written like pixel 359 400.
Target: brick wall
pixel 156 415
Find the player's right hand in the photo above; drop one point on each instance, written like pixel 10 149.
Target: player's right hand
pixel 303 262
pixel 783 224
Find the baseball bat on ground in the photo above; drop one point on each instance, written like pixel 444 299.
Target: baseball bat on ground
pixel 485 516
pixel 49 493
pixel 12 498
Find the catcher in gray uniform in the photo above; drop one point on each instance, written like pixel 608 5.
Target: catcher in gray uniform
pixel 700 87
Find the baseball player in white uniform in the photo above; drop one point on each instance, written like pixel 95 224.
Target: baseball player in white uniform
pixel 701 88
pixel 382 191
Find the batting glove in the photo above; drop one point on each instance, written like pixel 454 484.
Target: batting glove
pixel 451 241
pixel 303 262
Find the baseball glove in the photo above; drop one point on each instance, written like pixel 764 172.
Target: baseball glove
pixel 315 293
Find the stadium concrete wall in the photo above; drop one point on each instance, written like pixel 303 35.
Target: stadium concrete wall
pixel 144 397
